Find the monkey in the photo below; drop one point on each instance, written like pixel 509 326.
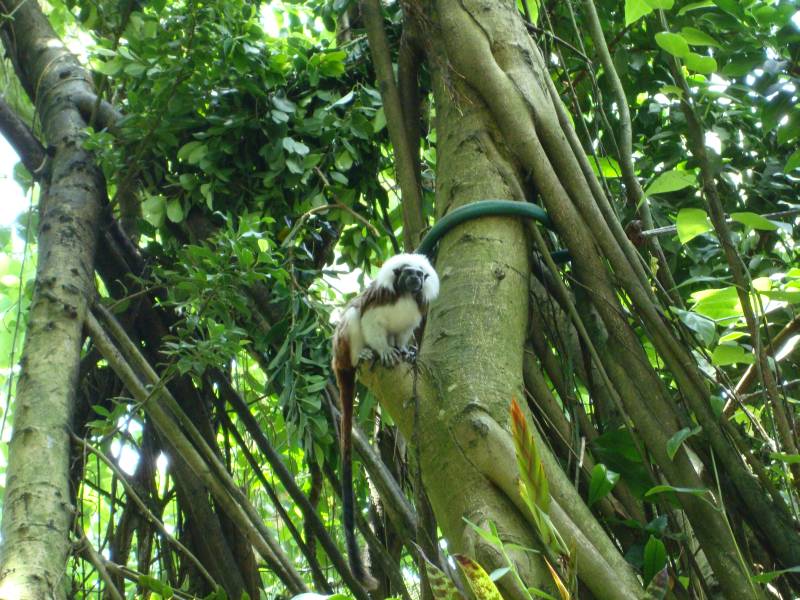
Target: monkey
pixel 378 324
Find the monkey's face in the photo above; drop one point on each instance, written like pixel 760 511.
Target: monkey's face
pixel 409 279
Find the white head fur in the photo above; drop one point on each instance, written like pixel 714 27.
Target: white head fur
pixel 386 274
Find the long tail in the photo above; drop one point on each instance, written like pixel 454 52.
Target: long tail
pixel 346 379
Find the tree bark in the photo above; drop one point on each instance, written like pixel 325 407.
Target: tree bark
pixel 37 512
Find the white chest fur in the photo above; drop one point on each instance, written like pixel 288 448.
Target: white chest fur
pixel 398 317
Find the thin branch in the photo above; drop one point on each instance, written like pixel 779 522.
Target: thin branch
pixel 749 377
pixel 309 553
pixel 319 209
pixel 132 495
pixel 695 133
pixel 633 188
pixel 205 466
pixel 98 562
pixel 538 30
pixel 667 229
pixel 287 480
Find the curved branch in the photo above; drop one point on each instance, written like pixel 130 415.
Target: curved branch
pixel 25 144
pixel 106 116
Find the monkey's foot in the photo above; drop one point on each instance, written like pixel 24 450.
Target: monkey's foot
pixel 367 355
pixel 409 354
pixel 388 359
pixel 391 357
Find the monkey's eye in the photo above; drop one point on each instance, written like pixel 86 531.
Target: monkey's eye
pixel 425 276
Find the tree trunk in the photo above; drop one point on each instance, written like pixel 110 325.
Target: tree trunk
pixel 501 134
pixel 37 513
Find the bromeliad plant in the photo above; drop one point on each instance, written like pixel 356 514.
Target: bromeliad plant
pixel 533 489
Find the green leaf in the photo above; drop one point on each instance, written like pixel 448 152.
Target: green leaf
pixel 793 162
pixel 486 535
pixel 754 221
pixel 731 7
pixel 609 168
pixel 730 354
pixel 283 104
pixel 705 328
pixel 770 575
pixel 655 558
pixel 733 335
pixel 700 63
pixel 110 68
pixel 695 6
pixel 603 481
pixel 208 195
pixel 672 43
pixel 790 459
pixel 695 37
pixel 533 9
pixel 135 69
pixel 174 210
pixel 671 181
pixel 742 66
pixel 332 63
pixel 675 442
pixel 154 210
pixel 295 147
pixel 717 304
pixel 661 489
pixel 691 222
pixel 379 122
pixel 498 573
pixel 154 585
pixel 790 130
pixel 671 89
pixel 636 9
pixel 343 160
pixel 187 149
